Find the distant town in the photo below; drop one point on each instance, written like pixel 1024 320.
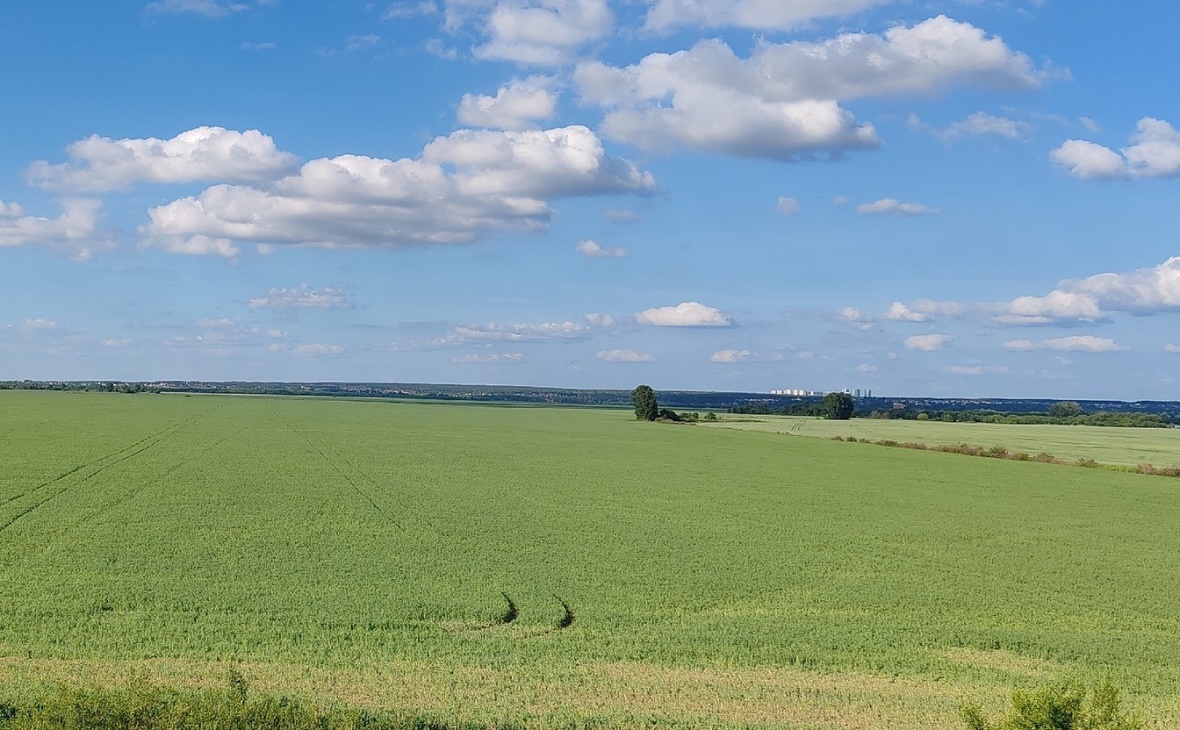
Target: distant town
pixel 775 400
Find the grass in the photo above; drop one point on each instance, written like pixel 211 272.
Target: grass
pixel 361 553
pixel 1123 446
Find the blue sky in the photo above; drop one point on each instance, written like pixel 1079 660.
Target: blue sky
pixel 973 198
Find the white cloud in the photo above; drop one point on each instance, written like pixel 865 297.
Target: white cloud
pixel 977 124
pixel 317 350
pixel 496 332
pixel 1076 343
pixel 593 250
pixel 1172 348
pixel 38 324
pixel 302 297
pixel 927 343
pixel 398 11
pixel 1090 124
pixel 600 320
pixel 208 8
pixel 490 359
pixel 74 231
pixel 755 14
pixel 625 356
pixel 204 154
pixel 1154 152
pixel 124 342
pixel 222 336
pixel 922 310
pixel 866 368
pixel 891 206
pixel 899 312
pixel 359 42
pixel 519 105
pixel 783 102
pixel 1144 291
pixel 730 356
pixel 976 370
pixel 787 206
pixel 856 318
pixel 465 186
pixel 539 32
pixel 686 314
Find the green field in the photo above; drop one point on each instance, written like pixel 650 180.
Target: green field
pixel 359 552
pixel 1126 446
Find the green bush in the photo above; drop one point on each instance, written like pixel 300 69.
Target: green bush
pixel 1059 708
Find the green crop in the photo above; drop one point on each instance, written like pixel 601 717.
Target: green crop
pixel 551 567
pixel 1127 446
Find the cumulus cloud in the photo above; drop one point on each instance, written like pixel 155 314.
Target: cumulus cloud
pixel 537 32
pixel 38 324
pixel 594 250
pixel 465 186
pixel 899 312
pixel 1076 343
pixel 784 101
pixel 788 206
pixel 866 368
pixel 686 314
pixel 856 318
pixel 1154 152
pixel 600 320
pixel 625 356
pixel 204 154
pixel 1172 348
pixel 490 359
pixel 730 356
pixel 224 335
pixel 519 105
pixel 976 125
pixel 74 231
pixel 496 332
pixel 891 206
pixel 755 14
pixel 927 343
pixel 1144 291
pixel 302 297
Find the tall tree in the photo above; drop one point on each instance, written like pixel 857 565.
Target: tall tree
pixel 837 406
pixel 646 406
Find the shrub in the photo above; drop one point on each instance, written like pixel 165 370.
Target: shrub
pixel 1063 707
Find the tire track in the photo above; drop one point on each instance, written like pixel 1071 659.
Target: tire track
pixel 79 468
pixel 356 487
pixel 122 455
pixel 137 490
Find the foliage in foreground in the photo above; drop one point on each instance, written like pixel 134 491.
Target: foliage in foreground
pixel 145 707
pixel 1060 708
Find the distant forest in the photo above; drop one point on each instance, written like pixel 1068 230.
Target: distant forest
pixel 982 410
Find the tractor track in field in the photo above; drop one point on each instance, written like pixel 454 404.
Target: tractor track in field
pixel 319 449
pixel 136 490
pixel 119 456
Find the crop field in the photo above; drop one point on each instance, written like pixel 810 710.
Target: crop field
pixel 555 567
pixel 1126 446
